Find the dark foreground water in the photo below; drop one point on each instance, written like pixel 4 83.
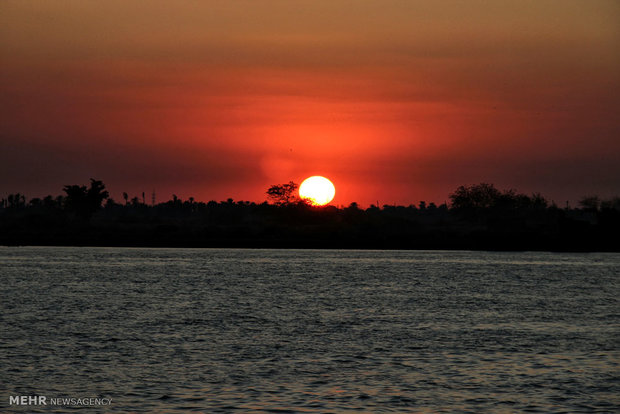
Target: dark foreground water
pixel 175 330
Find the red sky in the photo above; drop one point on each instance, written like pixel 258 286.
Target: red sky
pixel 395 101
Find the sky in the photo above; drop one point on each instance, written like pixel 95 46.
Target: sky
pixel 395 101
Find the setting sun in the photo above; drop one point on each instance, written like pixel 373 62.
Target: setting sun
pixel 317 190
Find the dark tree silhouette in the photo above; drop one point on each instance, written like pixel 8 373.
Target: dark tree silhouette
pixel 85 201
pixel 15 201
pixel 96 193
pixel 476 196
pixel 486 196
pixel 611 204
pixel 283 194
pixel 591 203
pixel 538 201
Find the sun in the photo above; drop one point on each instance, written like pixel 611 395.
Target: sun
pixel 317 190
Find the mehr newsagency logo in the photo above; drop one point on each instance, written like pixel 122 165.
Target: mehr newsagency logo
pixel 59 401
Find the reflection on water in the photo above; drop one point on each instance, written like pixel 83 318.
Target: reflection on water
pixel 172 330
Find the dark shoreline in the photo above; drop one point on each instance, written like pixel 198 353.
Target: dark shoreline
pixel 310 247
pixel 457 245
pixel 500 222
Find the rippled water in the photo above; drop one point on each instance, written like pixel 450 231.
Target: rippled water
pixel 218 330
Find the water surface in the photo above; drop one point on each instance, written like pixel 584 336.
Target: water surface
pixel 219 330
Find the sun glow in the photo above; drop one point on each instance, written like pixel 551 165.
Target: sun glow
pixel 317 190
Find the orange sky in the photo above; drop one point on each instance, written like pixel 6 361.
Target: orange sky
pixel 395 101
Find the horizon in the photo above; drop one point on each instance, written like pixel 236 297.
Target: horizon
pixel 146 198
pixel 117 196
pixel 395 102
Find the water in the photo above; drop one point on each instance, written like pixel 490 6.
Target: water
pixel 218 330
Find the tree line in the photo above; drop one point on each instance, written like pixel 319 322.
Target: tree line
pixel 478 216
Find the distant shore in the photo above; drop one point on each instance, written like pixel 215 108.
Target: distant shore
pixel 437 231
pixel 479 217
